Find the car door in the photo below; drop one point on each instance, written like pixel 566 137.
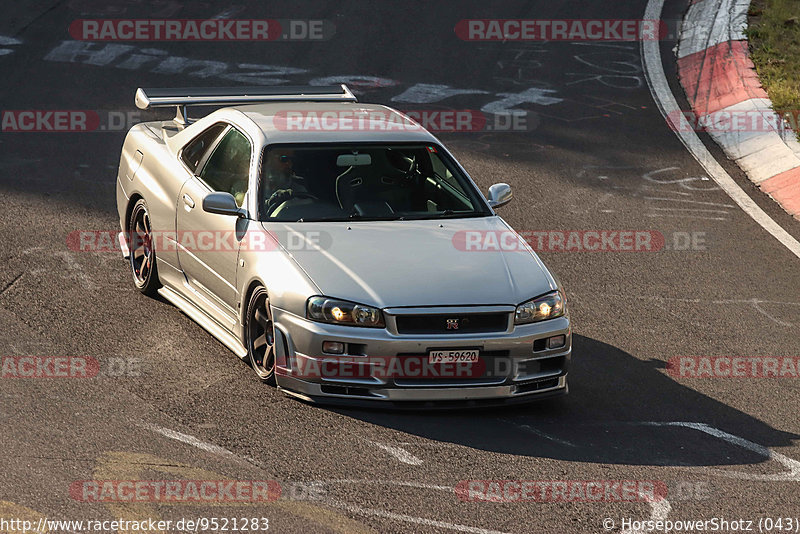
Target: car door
pixel 208 243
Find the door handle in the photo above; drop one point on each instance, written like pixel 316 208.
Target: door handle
pixel 188 201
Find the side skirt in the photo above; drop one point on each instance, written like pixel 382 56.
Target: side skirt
pixel 199 316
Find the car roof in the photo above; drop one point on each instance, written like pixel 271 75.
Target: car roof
pixel 333 122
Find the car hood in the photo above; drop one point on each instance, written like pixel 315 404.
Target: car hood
pixel 415 263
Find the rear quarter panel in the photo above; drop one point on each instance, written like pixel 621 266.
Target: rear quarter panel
pixel 157 179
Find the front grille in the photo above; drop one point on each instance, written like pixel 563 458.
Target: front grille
pixel 454 323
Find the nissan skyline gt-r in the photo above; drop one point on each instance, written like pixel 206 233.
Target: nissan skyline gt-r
pixel 338 248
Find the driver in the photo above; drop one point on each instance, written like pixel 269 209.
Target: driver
pixel 280 180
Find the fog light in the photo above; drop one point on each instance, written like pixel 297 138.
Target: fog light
pixel 333 347
pixel 556 341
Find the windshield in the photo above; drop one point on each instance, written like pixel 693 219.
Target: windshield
pixel 366 182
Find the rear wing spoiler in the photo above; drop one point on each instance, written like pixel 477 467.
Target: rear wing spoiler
pixel 182 97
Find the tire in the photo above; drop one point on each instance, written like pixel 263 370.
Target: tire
pixel 143 255
pixel 260 336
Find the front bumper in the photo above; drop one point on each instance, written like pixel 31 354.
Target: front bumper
pixel 511 371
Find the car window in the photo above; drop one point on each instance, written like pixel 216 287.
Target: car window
pixel 193 153
pixel 369 182
pixel 228 167
pixel 442 172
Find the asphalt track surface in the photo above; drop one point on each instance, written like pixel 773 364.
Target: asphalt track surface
pixel 600 157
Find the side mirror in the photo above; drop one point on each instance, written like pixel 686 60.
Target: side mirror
pixel 500 195
pixel 222 204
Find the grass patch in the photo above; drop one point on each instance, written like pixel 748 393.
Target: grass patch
pixel 774 34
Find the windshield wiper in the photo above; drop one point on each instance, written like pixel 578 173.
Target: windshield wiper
pixel 459 215
pixel 322 219
pixel 359 216
pixel 351 217
pixel 449 214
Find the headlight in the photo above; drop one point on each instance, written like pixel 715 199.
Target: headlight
pixel 545 307
pixel 334 311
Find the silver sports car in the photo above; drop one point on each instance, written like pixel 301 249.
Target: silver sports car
pixel 339 249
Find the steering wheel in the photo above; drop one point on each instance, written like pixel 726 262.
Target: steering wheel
pixel 287 194
pixel 406 178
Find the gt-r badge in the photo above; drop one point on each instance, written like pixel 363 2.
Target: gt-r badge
pixel 452 324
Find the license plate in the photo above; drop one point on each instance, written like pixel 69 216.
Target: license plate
pixel 453 356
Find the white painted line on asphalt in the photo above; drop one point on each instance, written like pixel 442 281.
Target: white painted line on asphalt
pixel 661 191
pixel 686 216
pixel 400 453
pixel 762 311
pixel 756 303
pixel 418 485
pixel 793 466
pixel 209 447
pixel 75 268
pixel 411 519
pixel 228 13
pixel 717 204
pixel 5 40
pixel 189 440
pixel 665 100
pixel 659 510
pixel 698 301
pixel 535 431
pixel 693 210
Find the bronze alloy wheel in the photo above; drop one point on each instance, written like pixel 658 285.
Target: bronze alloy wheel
pixel 143 254
pixel 261 336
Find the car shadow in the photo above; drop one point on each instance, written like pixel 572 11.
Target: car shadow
pixel 617 412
